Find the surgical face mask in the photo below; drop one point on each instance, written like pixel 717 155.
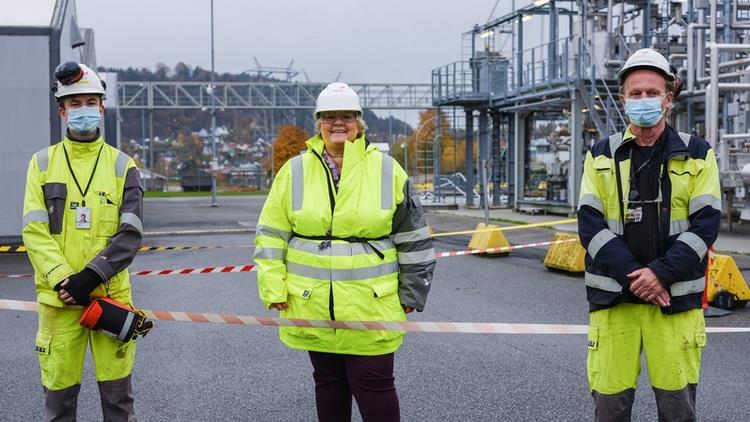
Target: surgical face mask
pixel 644 112
pixel 84 120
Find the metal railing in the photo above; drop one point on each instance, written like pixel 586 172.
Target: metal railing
pixel 264 95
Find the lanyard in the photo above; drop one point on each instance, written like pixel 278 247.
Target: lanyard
pixel 83 192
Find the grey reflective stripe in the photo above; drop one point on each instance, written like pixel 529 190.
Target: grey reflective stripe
pixel 386 182
pixel 599 240
pixel 132 219
pixel 298 183
pixel 701 201
pixel 269 253
pixel 121 164
pixel 36 215
pixel 272 232
pixel 615 226
pixel 334 274
pixel 412 236
pixel 591 200
pixel 339 249
pixel 126 326
pixel 682 288
pixel 678 226
pixel 685 138
pixel 416 257
pixel 695 242
pixel 42 158
pixel 602 282
pixel 614 142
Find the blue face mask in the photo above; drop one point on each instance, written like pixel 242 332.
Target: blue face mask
pixel 83 120
pixel 644 112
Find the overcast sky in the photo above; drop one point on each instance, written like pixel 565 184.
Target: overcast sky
pixel 374 41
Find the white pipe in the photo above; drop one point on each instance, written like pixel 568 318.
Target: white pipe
pixel 735 136
pixel 690 59
pixel 722 76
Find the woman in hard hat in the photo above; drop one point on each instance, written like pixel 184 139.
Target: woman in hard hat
pixel 342 237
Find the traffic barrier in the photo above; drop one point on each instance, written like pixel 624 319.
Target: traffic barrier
pixel 248 268
pixel 409 326
pixel 12 249
pixel 486 236
pixel 567 256
pixel 723 274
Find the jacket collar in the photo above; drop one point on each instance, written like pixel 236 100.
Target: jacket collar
pixel 675 147
pixel 353 151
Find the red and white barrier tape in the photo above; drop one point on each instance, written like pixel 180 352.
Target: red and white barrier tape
pixel 501 249
pixel 248 268
pixel 420 327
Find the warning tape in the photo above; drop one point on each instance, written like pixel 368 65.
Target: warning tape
pixel 507 228
pixel 12 249
pixel 21 249
pixel 501 249
pixel 249 268
pixel 410 326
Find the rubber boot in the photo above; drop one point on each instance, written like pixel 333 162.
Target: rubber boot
pixel 61 405
pixel 117 400
pixel 613 407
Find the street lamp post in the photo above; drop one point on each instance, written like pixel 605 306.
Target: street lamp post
pixel 214 200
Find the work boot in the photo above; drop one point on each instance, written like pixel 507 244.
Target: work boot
pixel 613 407
pixel 61 405
pixel 676 406
pixel 117 400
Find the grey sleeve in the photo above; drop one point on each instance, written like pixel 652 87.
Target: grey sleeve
pixel 127 240
pixel 416 256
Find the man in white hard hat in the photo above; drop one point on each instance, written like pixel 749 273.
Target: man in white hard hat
pixel 649 209
pixel 82 226
pixel 342 236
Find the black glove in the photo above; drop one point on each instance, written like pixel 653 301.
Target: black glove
pixel 82 284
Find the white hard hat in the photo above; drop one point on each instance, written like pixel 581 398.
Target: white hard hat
pixel 337 96
pixel 646 58
pixel 73 78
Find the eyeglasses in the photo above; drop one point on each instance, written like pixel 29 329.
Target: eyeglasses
pixel 344 118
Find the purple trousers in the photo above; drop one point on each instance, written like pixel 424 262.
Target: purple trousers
pixel 368 378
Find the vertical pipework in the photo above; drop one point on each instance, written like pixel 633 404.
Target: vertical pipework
pixel 552 48
pixel 646 40
pixel 484 134
pixel 469 158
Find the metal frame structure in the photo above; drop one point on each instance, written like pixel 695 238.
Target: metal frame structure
pixel 571 77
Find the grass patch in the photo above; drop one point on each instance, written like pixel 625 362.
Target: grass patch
pixel 159 194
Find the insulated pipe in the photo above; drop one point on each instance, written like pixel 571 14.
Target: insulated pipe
pixel 723 76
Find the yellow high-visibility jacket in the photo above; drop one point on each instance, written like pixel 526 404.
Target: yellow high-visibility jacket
pixel 56 248
pixel 689 217
pixel 353 253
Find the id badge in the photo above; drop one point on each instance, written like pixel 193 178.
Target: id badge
pixel 83 218
pixel 634 215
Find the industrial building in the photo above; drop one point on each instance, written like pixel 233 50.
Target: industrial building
pixel 504 86
pixel 34 39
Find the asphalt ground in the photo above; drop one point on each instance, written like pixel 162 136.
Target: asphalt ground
pixel 211 372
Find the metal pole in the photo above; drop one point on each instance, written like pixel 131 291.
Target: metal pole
pixel 469 158
pixel 485 192
pixel 151 149
pixel 214 201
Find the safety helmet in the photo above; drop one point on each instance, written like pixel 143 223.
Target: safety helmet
pixel 73 78
pixel 337 96
pixel 646 58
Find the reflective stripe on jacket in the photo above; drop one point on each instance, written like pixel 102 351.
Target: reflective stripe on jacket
pixel 355 279
pixel 689 219
pixel 56 248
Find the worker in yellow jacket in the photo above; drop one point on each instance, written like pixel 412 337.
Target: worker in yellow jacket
pixel 342 237
pixel 82 226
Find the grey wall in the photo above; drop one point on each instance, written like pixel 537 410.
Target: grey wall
pixel 24 119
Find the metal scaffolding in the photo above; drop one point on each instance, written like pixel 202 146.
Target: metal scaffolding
pixel 569 80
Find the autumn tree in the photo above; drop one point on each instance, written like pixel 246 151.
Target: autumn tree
pixel 189 152
pixel 289 142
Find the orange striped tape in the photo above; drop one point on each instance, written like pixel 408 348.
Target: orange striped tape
pixel 410 326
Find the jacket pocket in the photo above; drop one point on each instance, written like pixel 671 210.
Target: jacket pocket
pixel 55 195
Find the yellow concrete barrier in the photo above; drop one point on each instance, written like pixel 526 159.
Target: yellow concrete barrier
pixel 485 238
pixel 723 274
pixel 569 256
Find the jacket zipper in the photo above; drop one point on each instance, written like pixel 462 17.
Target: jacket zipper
pixel 332 201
